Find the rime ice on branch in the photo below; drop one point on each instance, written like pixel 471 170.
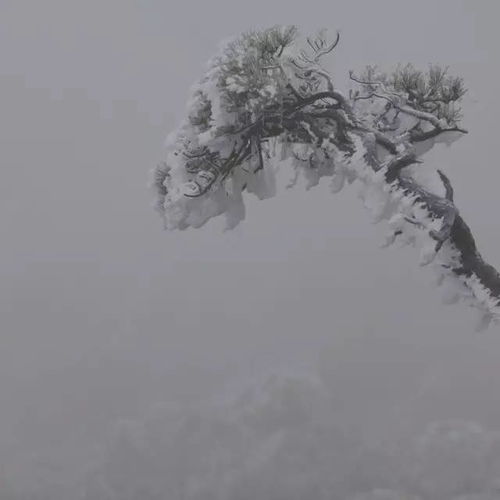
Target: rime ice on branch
pixel 266 98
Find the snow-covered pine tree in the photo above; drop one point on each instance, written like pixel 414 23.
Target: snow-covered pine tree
pixel 266 98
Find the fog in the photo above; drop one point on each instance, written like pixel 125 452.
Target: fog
pixel 290 358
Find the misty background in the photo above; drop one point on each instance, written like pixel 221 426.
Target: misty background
pixel 124 348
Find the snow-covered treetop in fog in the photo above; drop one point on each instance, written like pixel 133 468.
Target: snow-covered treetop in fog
pixel 266 99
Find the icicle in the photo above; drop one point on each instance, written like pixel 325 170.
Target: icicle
pixel 285 149
pixel 450 295
pixel 427 254
pixel 338 181
pixel 389 239
pixel 483 321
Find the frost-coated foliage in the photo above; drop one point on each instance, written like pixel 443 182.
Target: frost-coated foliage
pixel 266 99
pixel 279 441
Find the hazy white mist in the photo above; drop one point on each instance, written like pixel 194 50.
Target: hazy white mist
pixel 288 359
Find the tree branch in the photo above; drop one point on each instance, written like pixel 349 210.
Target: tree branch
pixel 415 136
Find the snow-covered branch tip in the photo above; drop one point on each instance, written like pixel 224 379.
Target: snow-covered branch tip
pixel 267 99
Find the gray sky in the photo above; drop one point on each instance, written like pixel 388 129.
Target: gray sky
pixel 104 314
